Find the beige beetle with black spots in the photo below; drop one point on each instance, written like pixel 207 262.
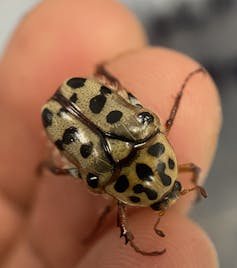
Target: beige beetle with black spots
pixel 116 146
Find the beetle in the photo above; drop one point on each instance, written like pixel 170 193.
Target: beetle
pixel 116 146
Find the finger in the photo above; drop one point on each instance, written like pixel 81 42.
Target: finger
pixel 45 49
pixel 155 75
pixel 38 58
pixel 186 245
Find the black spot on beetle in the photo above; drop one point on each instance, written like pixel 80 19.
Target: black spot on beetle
pixel 61 111
pixel 76 82
pixel 156 206
pixel 47 117
pixel 97 103
pixel 59 144
pixel 138 188
pixel 105 90
pixel 151 194
pixel 86 149
pixel 114 117
pixel 156 149
pixel 171 163
pixel 145 118
pixel 70 135
pixel 166 180
pixel 144 172
pixel 121 184
pixel 134 199
pixel 92 180
pixel 73 98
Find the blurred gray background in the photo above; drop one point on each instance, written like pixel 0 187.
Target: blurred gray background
pixel 207 31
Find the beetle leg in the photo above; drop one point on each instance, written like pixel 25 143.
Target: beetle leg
pixel 191 167
pixel 129 238
pixel 158 231
pixel 101 219
pixel 178 98
pixel 49 165
pixel 197 187
pixel 101 71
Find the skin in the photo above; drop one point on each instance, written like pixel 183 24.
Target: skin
pixel 44 219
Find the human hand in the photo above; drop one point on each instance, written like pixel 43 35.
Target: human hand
pixel 43 221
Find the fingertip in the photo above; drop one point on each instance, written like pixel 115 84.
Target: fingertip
pixel 77 34
pixel 61 39
pixel 186 245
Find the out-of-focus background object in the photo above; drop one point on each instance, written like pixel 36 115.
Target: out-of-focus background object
pixel 207 31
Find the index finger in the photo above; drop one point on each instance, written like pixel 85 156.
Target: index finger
pixel 46 48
